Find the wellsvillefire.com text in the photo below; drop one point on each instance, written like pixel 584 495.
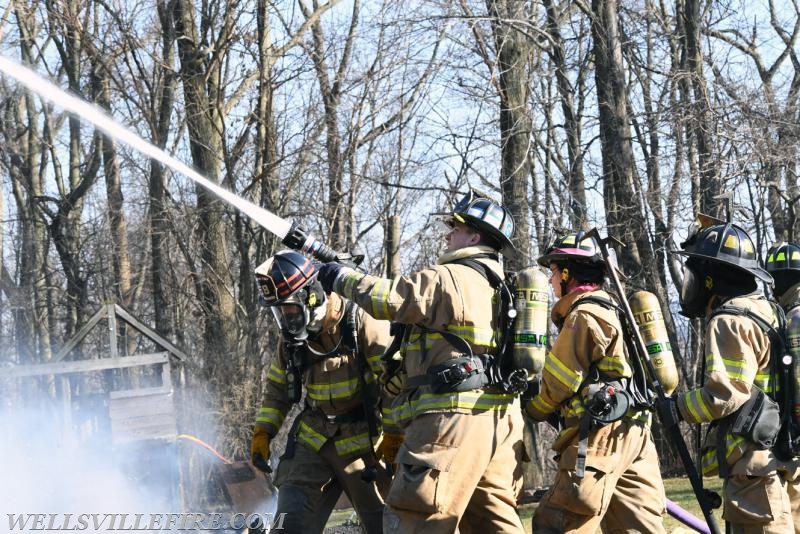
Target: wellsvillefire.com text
pixel 144 522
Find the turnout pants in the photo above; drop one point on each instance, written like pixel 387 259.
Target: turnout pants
pixel 310 483
pixel 621 490
pixel 767 504
pixel 458 473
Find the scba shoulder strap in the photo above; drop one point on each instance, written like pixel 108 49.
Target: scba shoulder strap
pixel 594 299
pixel 766 419
pixel 636 386
pixel 607 400
pixel 500 369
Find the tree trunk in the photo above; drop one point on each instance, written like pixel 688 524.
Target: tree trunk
pixel 513 59
pixel 338 209
pixel 199 75
pixel 708 185
pixel 572 125
pixel 159 227
pixel 623 203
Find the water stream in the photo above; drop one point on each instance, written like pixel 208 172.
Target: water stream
pixel 98 117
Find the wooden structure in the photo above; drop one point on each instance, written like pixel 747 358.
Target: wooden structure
pixel 141 422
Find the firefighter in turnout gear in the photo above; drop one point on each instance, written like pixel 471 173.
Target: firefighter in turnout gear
pixel 459 467
pixel 721 277
pixel 783 263
pixel 608 472
pixel 333 349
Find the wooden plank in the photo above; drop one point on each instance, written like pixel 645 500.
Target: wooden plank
pixel 140 406
pixel 81 366
pixel 77 338
pixel 112 331
pixel 139 392
pixel 149 332
pixel 142 414
pixel 145 428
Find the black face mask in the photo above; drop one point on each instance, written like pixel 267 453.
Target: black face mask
pixel 695 292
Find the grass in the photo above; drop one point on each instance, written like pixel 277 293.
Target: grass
pixel 678 490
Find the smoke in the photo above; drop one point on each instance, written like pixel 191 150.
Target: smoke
pixel 53 468
pixel 48 471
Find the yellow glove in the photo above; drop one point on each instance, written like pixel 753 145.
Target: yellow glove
pixel 394 384
pixel 259 449
pixel 388 446
pixel 393 376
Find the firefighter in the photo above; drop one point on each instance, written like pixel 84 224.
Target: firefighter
pixel 459 466
pixel 783 264
pixel 721 274
pixel 608 473
pixel 333 349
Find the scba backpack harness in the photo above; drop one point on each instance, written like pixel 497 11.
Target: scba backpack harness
pixel 300 356
pixel 609 399
pixel 766 418
pixel 474 371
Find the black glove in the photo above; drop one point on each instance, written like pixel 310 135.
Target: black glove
pixel 668 412
pixel 327 274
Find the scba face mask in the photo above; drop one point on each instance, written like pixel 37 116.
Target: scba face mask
pixel 293 317
pixel 301 313
pixel 695 291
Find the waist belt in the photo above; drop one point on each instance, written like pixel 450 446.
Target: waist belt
pixel 457 374
pixel 354 415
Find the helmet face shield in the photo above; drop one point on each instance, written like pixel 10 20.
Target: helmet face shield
pixel 690 284
pixel 293 317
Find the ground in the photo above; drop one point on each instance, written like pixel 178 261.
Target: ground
pixel 678 490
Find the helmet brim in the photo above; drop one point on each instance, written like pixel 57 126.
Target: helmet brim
pixel 560 255
pixel 758 272
pixel 507 248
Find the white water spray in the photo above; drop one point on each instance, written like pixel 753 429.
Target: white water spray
pixel 102 121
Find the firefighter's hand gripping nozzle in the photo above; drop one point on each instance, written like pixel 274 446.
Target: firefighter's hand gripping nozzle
pixel 298 238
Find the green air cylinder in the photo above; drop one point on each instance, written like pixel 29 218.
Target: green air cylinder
pixel 793 348
pixel 650 320
pixel 530 330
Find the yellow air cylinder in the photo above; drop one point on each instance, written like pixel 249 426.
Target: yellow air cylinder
pixel 530 329
pixel 650 320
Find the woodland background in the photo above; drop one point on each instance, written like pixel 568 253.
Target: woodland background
pixel 358 119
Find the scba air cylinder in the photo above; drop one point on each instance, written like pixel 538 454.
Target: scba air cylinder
pixel 793 349
pixel 650 320
pixel 530 329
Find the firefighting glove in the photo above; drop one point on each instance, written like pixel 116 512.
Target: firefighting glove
pixel 668 412
pixel 532 389
pixel 259 449
pixel 388 447
pixel 394 384
pixel 392 376
pixel 328 273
